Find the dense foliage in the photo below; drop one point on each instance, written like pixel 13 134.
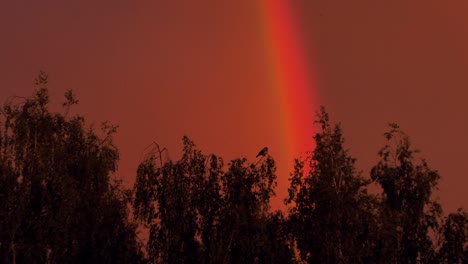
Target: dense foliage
pixel 60 204
pixel 197 212
pixel 334 219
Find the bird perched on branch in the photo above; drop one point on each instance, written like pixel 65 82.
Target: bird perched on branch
pixel 262 152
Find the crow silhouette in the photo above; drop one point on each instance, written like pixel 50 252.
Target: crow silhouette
pixel 262 152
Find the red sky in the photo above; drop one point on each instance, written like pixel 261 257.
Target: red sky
pixel 162 69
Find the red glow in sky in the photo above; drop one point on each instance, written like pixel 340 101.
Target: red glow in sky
pixel 291 78
pixel 162 69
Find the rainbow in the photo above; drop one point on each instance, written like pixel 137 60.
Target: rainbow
pixel 291 78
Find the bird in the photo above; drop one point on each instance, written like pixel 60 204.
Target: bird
pixel 262 152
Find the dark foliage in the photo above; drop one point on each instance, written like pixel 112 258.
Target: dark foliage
pixel 59 203
pixel 453 241
pixel 333 217
pixel 197 212
pixel 408 212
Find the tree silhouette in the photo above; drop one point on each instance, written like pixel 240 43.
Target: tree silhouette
pixel 197 212
pixel 454 239
pixel 332 215
pixel 408 212
pixel 58 203
pixel 167 201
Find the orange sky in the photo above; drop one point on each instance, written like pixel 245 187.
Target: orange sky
pixel 162 69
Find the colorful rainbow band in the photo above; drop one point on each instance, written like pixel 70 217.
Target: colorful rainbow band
pixel 291 77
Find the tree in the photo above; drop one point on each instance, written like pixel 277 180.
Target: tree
pixel 408 211
pixel 197 212
pixel 168 201
pixel 57 200
pixel 454 239
pixel 332 215
pixel 247 191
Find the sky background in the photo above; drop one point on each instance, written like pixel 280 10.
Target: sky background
pixel 162 69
